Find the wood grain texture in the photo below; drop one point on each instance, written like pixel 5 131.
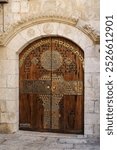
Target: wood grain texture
pixel 50 73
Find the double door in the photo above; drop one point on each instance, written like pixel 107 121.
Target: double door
pixel 51 86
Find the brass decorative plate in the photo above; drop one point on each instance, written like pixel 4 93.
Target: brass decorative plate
pixel 51 60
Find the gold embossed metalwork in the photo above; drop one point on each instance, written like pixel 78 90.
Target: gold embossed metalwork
pixel 70 47
pixel 46 103
pixel 58 89
pixel 59 86
pixel 36 86
pixel 48 41
pixel 55 111
pixel 51 71
pixel 51 60
pixel 68 61
pixel 34 61
pixel 30 49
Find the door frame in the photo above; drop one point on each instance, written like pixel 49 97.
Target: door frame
pixel 76 35
pixel 81 59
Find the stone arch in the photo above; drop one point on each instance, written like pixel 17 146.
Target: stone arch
pixel 36 31
pixel 28 35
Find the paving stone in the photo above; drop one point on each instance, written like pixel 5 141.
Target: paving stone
pixel 53 145
pixel 51 148
pixel 2 140
pixel 51 140
pixel 73 141
pixel 31 138
pixel 35 141
pixel 9 147
pixel 86 147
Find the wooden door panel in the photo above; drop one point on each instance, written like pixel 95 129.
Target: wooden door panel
pixel 67 81
pixel 25 110
pixel 37 113
pixel 72 114
pixel 51 86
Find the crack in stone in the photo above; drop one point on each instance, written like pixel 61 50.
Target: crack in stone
pixel 2 141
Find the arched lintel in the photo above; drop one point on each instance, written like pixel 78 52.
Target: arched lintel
pixel 23 25
pixel 37 31
pixel 29 22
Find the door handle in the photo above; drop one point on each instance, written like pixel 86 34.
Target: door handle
pixel 48 87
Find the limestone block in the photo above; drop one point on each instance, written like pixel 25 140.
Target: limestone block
pixel 13 127
pixel 1 28
pixel 49 28
pixel 8 67
pixel 16 17
pixel 92 64
pixel 3 55
pixel 88 80
pixel 24 6
pixel 96 130
pixel 90 51
pixel 2 81
pixel 1 11
pixel 97 106
pixel 11 54
pixel 89 106
pixel 4 128
pixel 8 128
pixel 89 93
pixel 76 38
pixel 8 117
pixel 17 67
pixel 92 118
pixel 92 8
pixel 97 50
pixel 88 129
pixel 85 42
pixel 11 94
pixel 11 67
pixel 3 106
pixel 29 34
pixel 3 92
pixel 96 93
pixel 15 7
pixel 96 80
pixel 32 33
pixel 67 31
pixel 3 68
pixel 12 81
pixel 75 35
pixel 11 106
pixel 16 43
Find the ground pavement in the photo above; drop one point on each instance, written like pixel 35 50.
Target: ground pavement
pixel 27 140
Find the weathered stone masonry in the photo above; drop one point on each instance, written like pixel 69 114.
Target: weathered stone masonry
pixel 28 20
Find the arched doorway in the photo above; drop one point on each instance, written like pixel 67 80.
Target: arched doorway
pixel 51 93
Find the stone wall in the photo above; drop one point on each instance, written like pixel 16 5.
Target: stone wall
pixel 27 20
pixel 17 10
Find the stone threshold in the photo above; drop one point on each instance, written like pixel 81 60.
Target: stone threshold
pixel 50 134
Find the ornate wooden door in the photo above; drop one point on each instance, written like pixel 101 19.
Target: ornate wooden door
pixel 52 86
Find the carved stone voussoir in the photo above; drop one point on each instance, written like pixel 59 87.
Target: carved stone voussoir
pixel 28 22
pixel 31 32
pixel 48 28
pixel 93 34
